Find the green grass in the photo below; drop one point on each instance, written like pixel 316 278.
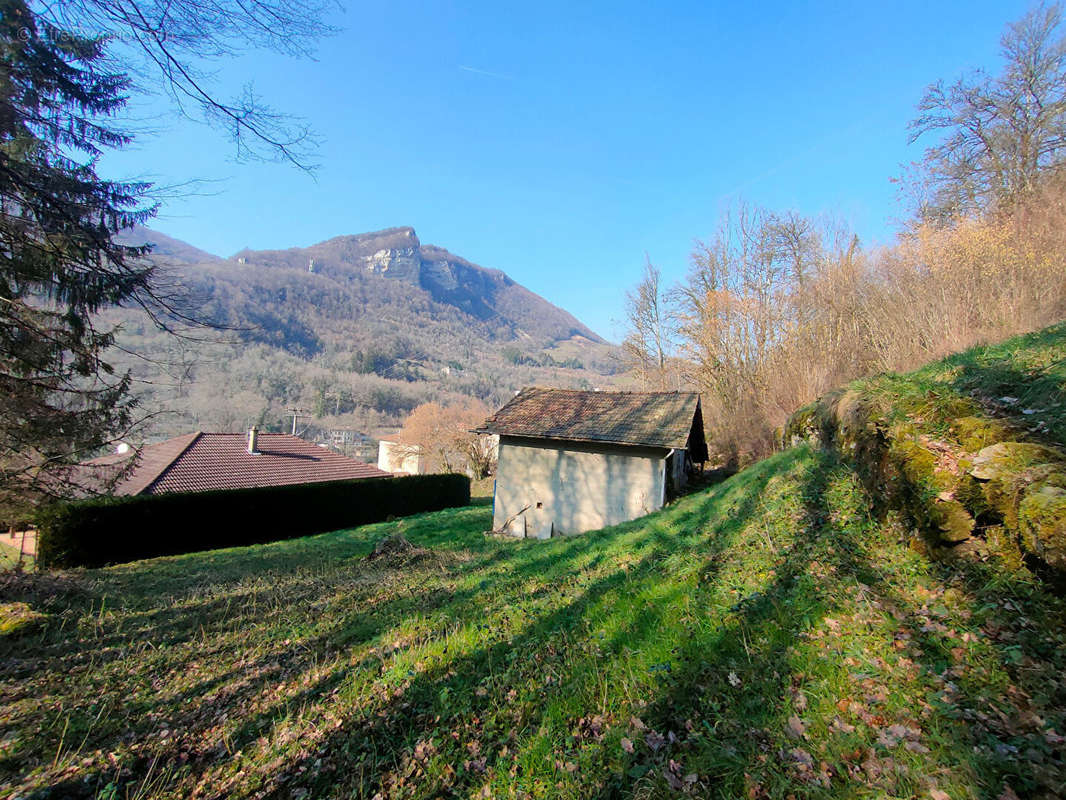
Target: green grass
pixel 9 558
pixel 483 487
pixel 969 450
pixel 762 638
pixel 1021 381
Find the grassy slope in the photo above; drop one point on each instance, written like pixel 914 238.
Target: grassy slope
pixel 917 438
pixel 759 638
pixel 1021 381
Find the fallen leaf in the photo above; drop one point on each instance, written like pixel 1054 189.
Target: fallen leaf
pixel 673 781
pixel 840 726
pixel 627 745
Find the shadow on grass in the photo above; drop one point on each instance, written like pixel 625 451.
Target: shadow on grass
pixel 1003 382
pixel 523 643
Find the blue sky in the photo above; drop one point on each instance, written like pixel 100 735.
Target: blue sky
pixel 561 143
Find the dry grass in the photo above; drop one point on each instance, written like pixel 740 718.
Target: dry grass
pixel 779 310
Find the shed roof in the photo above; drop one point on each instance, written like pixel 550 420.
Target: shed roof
pixel 652 419
pixel 201 462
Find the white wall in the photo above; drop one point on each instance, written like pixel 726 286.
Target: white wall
pixel 579 487
pixel 393 457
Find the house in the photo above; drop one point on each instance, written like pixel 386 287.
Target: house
pixel 349 442
pixel 573 461
pixel 203 462
pixel 396 457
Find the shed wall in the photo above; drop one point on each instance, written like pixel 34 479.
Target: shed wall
pixel 393 457
pixel 579 488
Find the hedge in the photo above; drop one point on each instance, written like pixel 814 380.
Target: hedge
pixel 111 530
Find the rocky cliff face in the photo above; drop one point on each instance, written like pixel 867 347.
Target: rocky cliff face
pixel 399 254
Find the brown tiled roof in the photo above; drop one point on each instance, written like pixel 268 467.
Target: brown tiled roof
pixel 654 419
pixel 201 462
pixel 114 473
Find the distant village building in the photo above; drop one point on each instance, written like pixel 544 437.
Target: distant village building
pixel 350 442
pixel 573 461
pixel 396 457
pixel 203 462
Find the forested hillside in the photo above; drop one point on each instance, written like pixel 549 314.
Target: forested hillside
pixel 355 331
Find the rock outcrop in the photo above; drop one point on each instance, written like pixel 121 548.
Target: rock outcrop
pixel 969 483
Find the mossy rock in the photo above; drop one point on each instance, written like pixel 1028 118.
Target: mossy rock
pixel 841 419
pixel 1003 544
pixel 903 430
pixel 977 433
pixel 851 416
pixel 915 462
pixel 19 619
pixel 1002 498
pixel 1002 460
pixel 968 491
pixel 940 501
pixel 971 550
pixel 803 426
pixel 953 522
pixel 1042 523
pixel 949 405
pixel 780 443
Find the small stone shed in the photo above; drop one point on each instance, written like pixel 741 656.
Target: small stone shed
pixel 572 461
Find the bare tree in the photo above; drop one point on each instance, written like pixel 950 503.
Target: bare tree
pixel 443 436
pixel 171 47
pixel 998 135
pixel 736 307
pixel 647 342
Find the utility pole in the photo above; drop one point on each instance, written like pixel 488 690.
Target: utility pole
pixel 296 414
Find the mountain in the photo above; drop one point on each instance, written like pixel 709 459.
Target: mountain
pixel 165 248
pixel 356 330
pixel 396 254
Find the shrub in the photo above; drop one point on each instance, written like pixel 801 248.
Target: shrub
pixel 108 530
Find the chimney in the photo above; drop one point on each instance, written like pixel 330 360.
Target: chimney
pixel 253 440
